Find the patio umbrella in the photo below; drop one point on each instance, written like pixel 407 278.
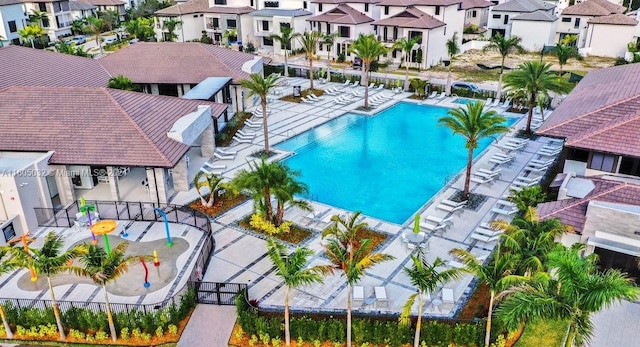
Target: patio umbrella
pixel 416 223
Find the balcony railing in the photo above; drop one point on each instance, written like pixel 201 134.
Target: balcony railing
pixel 211 26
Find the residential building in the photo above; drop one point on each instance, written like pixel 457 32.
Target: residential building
pixel 58 21
pixel 500 16
pixel 476 12
pixel 222 18
pixel 189 13
pixel 536 29
pixel 13 18
pixel 609 36
pixel 268 21
pixel 81 9
pixel 345 20
pixel 574 19
pixel 108 5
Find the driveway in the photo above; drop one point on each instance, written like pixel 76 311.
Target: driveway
pixel 617 326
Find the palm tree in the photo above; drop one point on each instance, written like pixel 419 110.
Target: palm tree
pixel 564 53
pixel 291 268
pixel 111 18
pixel 497 275
pixel 573 292
pixel 329 40
pixel 504 46
pixel 211 182
pixel 77 26
pixel 31 32
pixel 406 46
pixel 535 78
pixel 453 48
pixel 426 277
pixel 6 265
pixel 285 37
pixel 95 27
pixel 309 41
pixel 368 48
pixel 261 86
pixel 527 197
pixel 49 261
pixel 123 83
pixel 474 124
pixel 141 28
pixel 39 18
pixel 350 255
pixel 103 268
pixel 170 25
pixel 285 191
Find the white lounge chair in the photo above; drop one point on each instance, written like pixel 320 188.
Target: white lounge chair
pixel 488 232
pixel 215 166
pixel 450 209
pixel 438 220
pixel 504 211
pixel 441 96
pixel 357 94
pixel 500 160
pixel 307 101
pixel 494 172
pixel 508 147
pixel 358 294
pixel 433 95
pixel 483 179
pixel 253 125
pixel 241 139
pixel 246 134
pixel 506 104
pixel 528 179
pixel 433 227
pixel 314 97
pixel 226 152
pixel 484 238
pixel 381 296
pixel 223 157
pixel 346 83
pixel 536 169
pixel 488 102
pixel 549 153
pixel 495 103
pixel 453 203
pixel 355 84
pixel 542 162
pixel 372 85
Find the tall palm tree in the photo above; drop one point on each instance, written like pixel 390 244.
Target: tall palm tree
pixel 95 27
pixel 261 86
pixel 212 182
pixel 292 270
pixel 287 188
pixel 504 46
pixel 406 46
pixel 368 48
pixel 329 40
pixel 49 261
pixel 535 78
pixel 309 41
pixel 497 275
pixel 31 32
pixel 103 268
pixel 39 18
pixel 453 48
pixel 564 53
pixel 426 277
pixel 77 26
pixel 285 37
pixel 350 255
pixel 573 292
pixel 170 25
pixel 474 124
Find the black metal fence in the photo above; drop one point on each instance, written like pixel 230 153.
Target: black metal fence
pixel 217 293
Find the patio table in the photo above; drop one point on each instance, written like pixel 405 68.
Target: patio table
pixel 415 238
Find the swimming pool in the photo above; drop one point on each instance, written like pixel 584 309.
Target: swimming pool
pixel 464 101
pixel 386 166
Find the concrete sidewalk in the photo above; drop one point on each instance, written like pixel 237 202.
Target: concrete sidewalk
pixel 209 326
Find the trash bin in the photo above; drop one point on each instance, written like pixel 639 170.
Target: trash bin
pixel 297 91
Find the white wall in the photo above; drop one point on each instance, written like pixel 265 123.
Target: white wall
pixel 569 28
pixel 534 34
pixel 498 23
pixel 436 49
pixel 481 18
pixel 609 40
pixel 191 27
pixel 11 13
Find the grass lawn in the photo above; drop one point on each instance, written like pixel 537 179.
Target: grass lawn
pixel 543 333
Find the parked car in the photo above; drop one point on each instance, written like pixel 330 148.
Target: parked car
pixel 109 40
pixel 357 63
pixel 465 85
pixel 78 40
pixel 133 41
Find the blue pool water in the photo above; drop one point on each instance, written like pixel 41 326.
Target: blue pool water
pixel 386 166
pixel 463 101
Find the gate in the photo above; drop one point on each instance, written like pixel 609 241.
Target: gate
pixel 215 293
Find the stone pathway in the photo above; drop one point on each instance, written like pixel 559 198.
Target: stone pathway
pixel 209 326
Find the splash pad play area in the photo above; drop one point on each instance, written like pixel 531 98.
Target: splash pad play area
pixel 170 252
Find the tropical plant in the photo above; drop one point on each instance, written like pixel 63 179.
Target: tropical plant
pixel 41 18
pixel 369 49
pixel 426 277
pixel 419 85
pixel 211 182
pixel 527 197
pixel 71 49
pixel 292 269
pixel 170 25
pixel 261 87
pixel 6 265
pixel 228 34
pixel 329 40
pixel 309 41
pixel 504 47
pixel 140 28
pixel 95 26
pixel 453 48
pixel 31 32
pixel 497 275
pixel 572 291
pixel 564 53
pixel 350 255
pixel 406 46
pixel 285 37
pixel 474 124
pixel 535 78
pixel 49 261
pixel 77 26
pixel 123 83
pixel 111 18
pixel 103 268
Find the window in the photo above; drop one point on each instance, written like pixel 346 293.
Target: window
pixel 313 24
pixel 267 41
pixel 215 23
pixel 603 162
pixel 319 7
pixel 42 7
pixel 394 54
pixel 285 25
pixel 366 7
pixel 497 16
pixel 251 4
pixel 630 166
pixel 304 5
pixel 344 31
pixel 395 33
pixel 577 25
pixel 386 10
pixel 12 26
pixel 385 33
pixel 578 155
pixel 437 10
pixel 231 23
pixel 220 2
pixel 265 25
pixel 474 14
pixel 271 4
pixel 414 34
pixel 45 22
pixel 506 19
pixel 566 19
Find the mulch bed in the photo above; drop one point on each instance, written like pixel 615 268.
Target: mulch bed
pixel 304 93
pixel 478 304
pixel 295 235
pixel 222 205
pixel 224 138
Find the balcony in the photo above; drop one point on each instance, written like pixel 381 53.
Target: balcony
pixel 213 26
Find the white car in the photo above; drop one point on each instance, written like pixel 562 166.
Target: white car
pixel 109 40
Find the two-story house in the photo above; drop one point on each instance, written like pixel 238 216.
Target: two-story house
pixel 476 12
pixel 189 13
pixel 435 21
pixel 574 19
pixel 536 29
pixel 81 9
pixel 268 21
pixel 345 20
pixel 108 5
pixel 13 17
pixel 500 16
pixel 230 19
pixel 609 36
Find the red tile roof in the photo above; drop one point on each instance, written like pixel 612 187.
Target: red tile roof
pixel 176 62
pixel 342 14
pixel 95 126
pixel 411 17
pixel 602 113
pixel 193 6
pixel 614 19
pixel 573 211
pixel 403 3
pixel 468 4
pixel 345 1
pixel 24 66
pixel 105 2
pixel 229 9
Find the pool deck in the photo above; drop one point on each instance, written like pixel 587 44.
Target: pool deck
pixel 232 262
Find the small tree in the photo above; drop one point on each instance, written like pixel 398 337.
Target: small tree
pixel 309 41
pixel 527 197
pixel 453 48
pixel 419 86
pixel 504 46
pixel 95 26
pixel 170 25
pixel 564 53
pixel 285 37
pixel 329 40
pixel 31 32
pixel 261 86
pixel 406 46
pixel 123 83
pixel 369 49
pixel 212 182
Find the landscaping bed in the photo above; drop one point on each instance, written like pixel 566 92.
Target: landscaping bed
pixel 304 93
pixel 478 304
pixel 222 205
pixel 224 138
pixel 295 235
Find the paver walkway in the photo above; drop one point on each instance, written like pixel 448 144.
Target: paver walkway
pixel 617 326
pixel 209 326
